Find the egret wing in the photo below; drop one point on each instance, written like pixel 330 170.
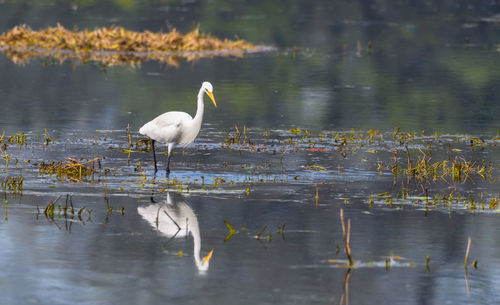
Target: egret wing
pixel 166 128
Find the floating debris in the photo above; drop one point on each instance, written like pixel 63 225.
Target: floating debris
pixel 115 45
pixel 316 168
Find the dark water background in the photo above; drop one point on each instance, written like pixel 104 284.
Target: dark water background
pixel 432 66
pixel 419 66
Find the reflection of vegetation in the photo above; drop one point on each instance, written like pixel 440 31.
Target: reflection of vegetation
pixel 115 45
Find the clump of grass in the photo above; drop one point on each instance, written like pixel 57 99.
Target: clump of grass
pixel 446 200
pixel 49 210
pixel 459 170
pixel 143 145
pixel 71 169
pixel 13 184
pixel 423 170
pixel 115 45
pixel 46 138
pixel 19 138
pixel 238 138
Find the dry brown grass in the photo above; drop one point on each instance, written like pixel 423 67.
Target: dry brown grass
pixel 115 45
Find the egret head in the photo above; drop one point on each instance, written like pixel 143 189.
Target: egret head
pixel 205 262
pixel 209 89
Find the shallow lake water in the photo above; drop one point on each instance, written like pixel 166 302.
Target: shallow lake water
pixel 313 127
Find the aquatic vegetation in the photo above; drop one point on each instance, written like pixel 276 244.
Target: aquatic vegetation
pixel 6 158
pixel 13 185
pixel 231 231
pixel 46 138
pixel 19 138
pixel 141 145
pixel 68 211
pixel 71 169
pixel 239 138
pixel 281 230
pixel 115 45
pixel 315 168
pixel 449 200
pixel 457 170
pixel 50 207
pixel 418 166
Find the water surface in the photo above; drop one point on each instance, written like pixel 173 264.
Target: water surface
pixel 423 68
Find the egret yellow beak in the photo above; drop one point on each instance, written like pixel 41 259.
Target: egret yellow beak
pixel 212 98
pixel 207 258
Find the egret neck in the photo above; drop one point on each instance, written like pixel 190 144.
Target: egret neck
pixel 199 112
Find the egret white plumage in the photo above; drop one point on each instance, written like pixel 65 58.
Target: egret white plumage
pixel 176 127
pixel 177 220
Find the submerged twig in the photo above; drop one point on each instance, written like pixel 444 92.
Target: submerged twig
pixel 345 288
pixel 466 261
pixel 346 237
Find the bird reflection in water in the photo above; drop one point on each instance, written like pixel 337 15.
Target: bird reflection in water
pixel 176 220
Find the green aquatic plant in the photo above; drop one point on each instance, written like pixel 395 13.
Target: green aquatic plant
pixel 449 200
pixel 315 168
pixel 13 184
pixel 143 145
pixel 71 168
pixel 281 230
pixel 46 138
pixel 50 207
pixel 239 138
pixel 6 157
pixel 19 138
pixel 231 231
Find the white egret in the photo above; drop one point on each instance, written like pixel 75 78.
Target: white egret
pixel 176 220
pixel 176 127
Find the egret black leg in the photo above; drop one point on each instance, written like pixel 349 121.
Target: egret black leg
pixel 168 166
pixel 154 154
